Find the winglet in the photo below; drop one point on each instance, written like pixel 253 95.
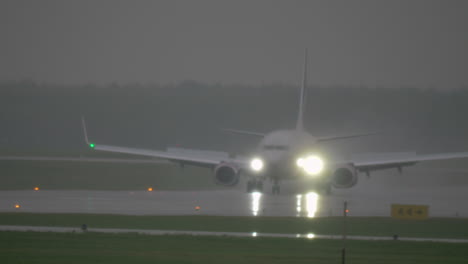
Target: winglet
pixel 85 132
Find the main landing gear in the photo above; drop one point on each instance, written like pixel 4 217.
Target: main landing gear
pixel 254 186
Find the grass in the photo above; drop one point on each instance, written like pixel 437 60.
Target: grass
pixel 366 226
pixel 32 247
pixel 62 175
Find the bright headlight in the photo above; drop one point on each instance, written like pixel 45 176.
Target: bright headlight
pixel 256 164
pixel 312 164
pixel 300 162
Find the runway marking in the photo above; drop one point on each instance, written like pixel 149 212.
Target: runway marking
pixel 209 233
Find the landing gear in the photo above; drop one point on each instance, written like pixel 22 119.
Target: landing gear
pixel 254 186
pixel 275 189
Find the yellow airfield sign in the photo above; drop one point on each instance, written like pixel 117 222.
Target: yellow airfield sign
pixel 407 211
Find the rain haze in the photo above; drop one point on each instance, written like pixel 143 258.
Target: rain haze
pixel 374 43
pixel 182 108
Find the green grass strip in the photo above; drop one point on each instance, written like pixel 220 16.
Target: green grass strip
pixel 365 226
pixel 33 247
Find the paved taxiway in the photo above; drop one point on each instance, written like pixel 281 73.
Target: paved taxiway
pixel 369 198
pixel 444 192
pixel 210 233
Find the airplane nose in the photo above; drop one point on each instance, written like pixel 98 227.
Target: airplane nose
pixel 273 157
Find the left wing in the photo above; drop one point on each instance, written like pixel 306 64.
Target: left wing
pixel 399 160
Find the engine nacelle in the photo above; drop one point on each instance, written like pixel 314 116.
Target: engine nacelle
pixel 344 177
pixel 226 174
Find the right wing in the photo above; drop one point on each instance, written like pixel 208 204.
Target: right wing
pixel 199 158
pixel 80 159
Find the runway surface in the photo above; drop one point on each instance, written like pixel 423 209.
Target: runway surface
pixel 209 233
pixel 369 198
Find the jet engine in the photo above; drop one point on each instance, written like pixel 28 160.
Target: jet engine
pixel 344 177
pixel 226 174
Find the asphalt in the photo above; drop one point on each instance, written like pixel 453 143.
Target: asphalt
pixel 443 201
pixel 444 192
pixel 209 233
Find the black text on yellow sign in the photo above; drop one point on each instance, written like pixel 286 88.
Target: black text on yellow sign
pixel 407 211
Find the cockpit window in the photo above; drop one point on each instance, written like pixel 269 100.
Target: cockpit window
pixel 275 147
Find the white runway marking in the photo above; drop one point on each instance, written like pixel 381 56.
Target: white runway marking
pixel 209 233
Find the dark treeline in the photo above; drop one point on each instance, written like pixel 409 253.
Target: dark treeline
pixel 44 117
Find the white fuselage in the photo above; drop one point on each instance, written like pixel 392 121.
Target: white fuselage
pixel 280 149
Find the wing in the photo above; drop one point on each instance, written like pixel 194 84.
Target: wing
pixel 201 158
pixel 373 162
pixel 80 159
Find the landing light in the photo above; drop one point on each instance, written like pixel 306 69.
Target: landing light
pixel 312 164
pixel 256 164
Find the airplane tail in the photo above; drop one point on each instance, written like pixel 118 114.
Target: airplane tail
pixel 302 98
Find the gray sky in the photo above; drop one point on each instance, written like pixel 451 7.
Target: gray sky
pixel 384 43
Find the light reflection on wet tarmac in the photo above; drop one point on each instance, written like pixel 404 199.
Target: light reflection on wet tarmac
pixel 443 202
pixel 210 233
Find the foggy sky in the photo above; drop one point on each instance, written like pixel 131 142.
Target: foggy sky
pixel 373 43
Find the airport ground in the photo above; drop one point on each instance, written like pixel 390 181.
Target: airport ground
pixel 72 194
pixel 356 226
pixel 31 247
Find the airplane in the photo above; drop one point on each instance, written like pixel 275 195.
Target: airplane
pixel 281 155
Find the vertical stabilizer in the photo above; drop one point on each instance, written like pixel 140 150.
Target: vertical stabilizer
pixel 300 117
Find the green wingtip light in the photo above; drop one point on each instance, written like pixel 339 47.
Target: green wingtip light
pixel 91 145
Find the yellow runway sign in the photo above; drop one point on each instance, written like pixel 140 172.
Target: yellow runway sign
pixel 406 211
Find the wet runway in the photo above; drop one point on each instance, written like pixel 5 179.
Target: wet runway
pixel 210 233
pixel 371 197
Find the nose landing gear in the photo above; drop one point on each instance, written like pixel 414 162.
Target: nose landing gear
pixel 256 185
pixel 275 189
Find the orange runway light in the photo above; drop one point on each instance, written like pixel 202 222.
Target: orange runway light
pixel 150 189
pixel 36 188
pixel 17 206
